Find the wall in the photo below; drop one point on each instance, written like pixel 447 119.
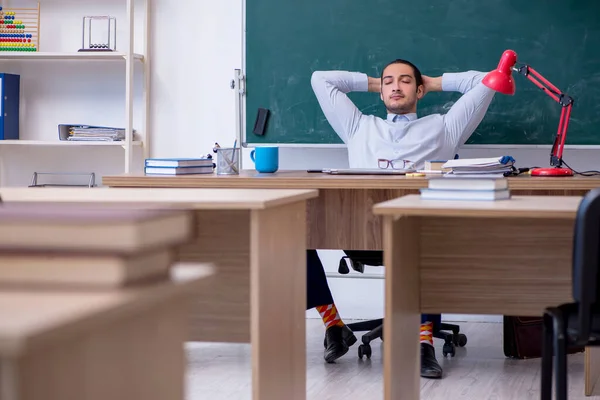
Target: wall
pixel 193 107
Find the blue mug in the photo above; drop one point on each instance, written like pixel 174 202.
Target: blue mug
pixel 266 159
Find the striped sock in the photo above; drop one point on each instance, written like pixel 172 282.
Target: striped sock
pixel 330 315
pixel 427 333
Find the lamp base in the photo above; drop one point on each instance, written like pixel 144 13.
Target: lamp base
pixel 551 172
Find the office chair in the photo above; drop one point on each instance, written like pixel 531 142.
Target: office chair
pixel 357 260
pixel 577 323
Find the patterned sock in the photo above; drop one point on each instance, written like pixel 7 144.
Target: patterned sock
pixel 330 315
pixel 427 333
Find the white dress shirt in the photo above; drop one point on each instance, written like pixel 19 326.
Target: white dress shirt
pixel 401 137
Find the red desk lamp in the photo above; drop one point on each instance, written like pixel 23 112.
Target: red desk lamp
pixel 501 80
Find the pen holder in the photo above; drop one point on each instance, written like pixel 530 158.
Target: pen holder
pixel 228 161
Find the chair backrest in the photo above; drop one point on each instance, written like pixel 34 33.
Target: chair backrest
pixel 586 259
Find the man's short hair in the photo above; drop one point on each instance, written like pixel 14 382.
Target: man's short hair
pixel 418 76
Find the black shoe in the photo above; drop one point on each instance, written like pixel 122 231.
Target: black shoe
pixel 338 340
pixel 429 365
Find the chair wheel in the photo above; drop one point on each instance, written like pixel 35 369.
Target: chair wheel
pixel 449 348
pixel 364 350
pixel 462 340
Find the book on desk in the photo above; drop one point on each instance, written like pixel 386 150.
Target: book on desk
pixel 462 188
pixel 179 166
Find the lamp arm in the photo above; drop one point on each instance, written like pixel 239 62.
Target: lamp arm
pixel 563 99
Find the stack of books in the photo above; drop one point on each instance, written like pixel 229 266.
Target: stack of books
pixel 62 245
pixel 494 166
pixel 455 187
pixel 179 166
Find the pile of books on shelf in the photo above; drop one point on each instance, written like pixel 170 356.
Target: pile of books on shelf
pixel 179 166
pixel 457 187
pixel 88 246
pixel 491 167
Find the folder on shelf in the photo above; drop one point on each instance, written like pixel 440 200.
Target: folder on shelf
pixel 78 132
pixel 9 106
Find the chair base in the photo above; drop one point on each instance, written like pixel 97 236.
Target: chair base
pixel 375 331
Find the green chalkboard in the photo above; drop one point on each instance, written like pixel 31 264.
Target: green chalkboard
pixel 287 40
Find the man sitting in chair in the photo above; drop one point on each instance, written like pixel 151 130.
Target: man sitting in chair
pixel 400 140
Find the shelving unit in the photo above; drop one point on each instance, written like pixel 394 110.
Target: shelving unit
pixel 64 143
pixel 125 55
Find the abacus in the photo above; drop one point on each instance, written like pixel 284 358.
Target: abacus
pixel 20 29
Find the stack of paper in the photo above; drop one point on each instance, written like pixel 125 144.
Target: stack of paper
pixel 494 166
pixel 86 133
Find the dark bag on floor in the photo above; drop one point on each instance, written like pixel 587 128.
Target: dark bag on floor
pixel 523 337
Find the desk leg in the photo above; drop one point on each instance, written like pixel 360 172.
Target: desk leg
pixel 278 302
pixel 592 370
pixel 401 239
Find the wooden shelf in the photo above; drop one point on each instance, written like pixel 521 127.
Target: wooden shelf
pixel 40 55
pixel 63 143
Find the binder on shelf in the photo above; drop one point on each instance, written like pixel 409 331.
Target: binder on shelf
pixel 91 133
pixel 9 106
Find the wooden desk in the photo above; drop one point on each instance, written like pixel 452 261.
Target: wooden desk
pixel 508 257
pixel 341 217
pixel 257 240
pixel 95 345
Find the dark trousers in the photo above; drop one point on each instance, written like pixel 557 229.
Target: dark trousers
pixel 318 293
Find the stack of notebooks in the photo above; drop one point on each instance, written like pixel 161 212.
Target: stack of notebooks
pixel 88 247
pixel 179 166
pixel 492 167
pixel 456 187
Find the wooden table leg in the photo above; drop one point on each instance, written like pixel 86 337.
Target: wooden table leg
pixel 401 239
pixel 592 370
pixel 278 302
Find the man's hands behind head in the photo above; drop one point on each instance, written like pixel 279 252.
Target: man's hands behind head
pixel 374 84
pixel 432 84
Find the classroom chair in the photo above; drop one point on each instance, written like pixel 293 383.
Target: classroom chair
pixel 577 323
pixel 357 259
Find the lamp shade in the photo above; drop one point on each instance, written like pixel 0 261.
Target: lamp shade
pixel 501 79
